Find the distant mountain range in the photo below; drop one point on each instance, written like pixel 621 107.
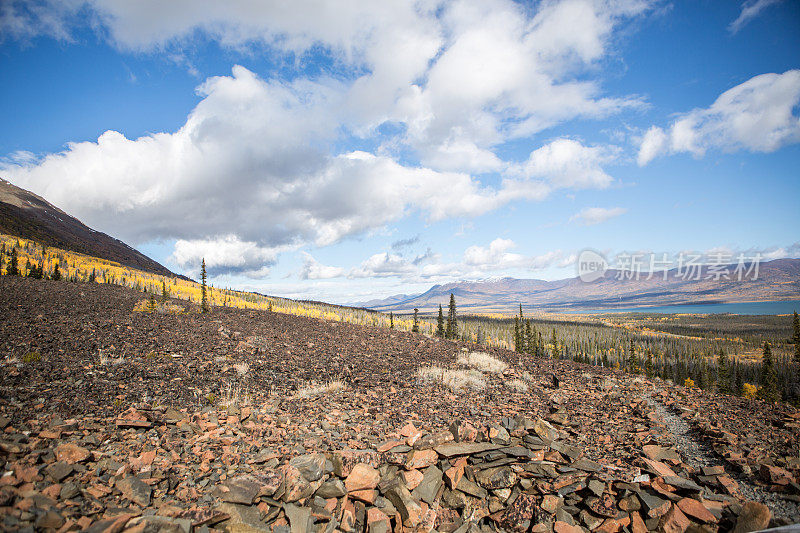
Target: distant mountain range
pixel 24 214
pixel 777 280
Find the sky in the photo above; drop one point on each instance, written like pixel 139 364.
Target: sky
pixel 344 151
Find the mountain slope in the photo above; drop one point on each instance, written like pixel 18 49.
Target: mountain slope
pixel 24 214
pixel 777 280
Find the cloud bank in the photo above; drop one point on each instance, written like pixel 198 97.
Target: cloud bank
pixel 758 115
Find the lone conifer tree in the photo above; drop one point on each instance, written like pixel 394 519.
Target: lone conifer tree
pixel 440 323
pixel 517 336
pixel 415 327
pixel 203 294
pixel 56 275
pixel 164 293
pixel 723 373
pixel 769 377
pixel 530 344
pixel 13 264
pixel 391 320
pixel 451 331
pixel 796 337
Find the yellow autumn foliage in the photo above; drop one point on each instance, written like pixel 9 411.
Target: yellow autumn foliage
pixel 749 391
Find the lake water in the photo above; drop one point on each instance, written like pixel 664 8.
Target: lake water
pixel 741 308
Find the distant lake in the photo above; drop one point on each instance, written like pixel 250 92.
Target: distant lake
pixel 741 308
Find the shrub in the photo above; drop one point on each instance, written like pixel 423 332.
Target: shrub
pixel 315 389
pixel 749 391
pixel 32 357
pixel 482 361
pixel 517 385
pixel 455 380
pixel 689 383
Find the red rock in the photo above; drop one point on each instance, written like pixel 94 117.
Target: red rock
pixel 365 495
pixel 550 503
pixel 420 459
pixel 463 431
pixel 28 474
pixel 133 419
pixel 412 478
pixel 563 527
pixel 375 516
pixel 70 453
pixel 775 475
pixel 730 486
pixel 696 510
pixel 754 516
pixel 454 474
pixel 637 524
pixel 362 477
pixel 609 525
pixel 296 485
pixel 345 460
pixel 144 461
pixel 604 506
pixel 388 445
pixel 52 491
pixel 524 509
pixel 660 468
pixel 675 521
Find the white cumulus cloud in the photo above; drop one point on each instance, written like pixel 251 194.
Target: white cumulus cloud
pixel 758 115
pixel 596 215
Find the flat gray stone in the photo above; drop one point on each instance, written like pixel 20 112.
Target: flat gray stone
pixel 465 448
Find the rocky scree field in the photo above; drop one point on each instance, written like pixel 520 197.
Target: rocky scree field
pixel 115 419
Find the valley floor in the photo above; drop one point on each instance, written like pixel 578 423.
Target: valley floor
pixel 236 420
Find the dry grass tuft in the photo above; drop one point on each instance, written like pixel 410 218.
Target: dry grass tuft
pixel 105 360
pixel 242 369
pixel 234 396
pixel 517 385
pixel 483 362
pixel 317 389
pixel 455 380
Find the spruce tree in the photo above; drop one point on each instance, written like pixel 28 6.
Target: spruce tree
pixel 164 293
pixel 415 327
pixel 517 336
pixel 769 377
pixel 13 264
pixel 451 331
pixel 203 295
pixel 796 337
pixel 391 320
pixel 648 365
pixel 440 323
pixel 529 344
pixel 56 276
pixel 723 373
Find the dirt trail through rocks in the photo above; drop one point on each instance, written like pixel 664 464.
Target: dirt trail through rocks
pixel 699 455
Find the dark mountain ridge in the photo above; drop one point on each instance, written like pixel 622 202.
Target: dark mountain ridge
pixel 26 215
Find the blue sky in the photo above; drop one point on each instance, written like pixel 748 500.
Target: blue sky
pixel 349 151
